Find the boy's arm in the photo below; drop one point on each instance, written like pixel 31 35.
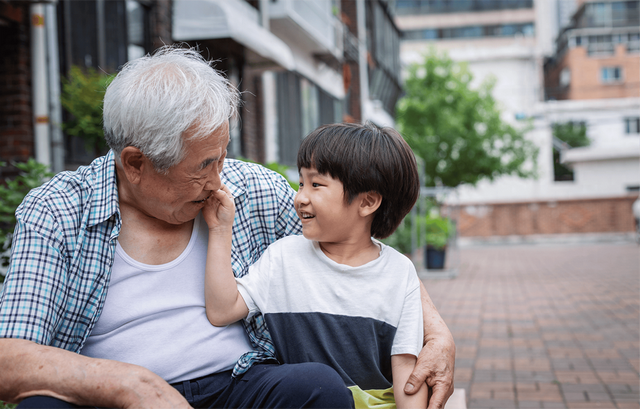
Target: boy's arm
pixel 223 303
pixel 401 368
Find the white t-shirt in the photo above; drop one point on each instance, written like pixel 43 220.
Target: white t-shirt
pixel 351 318
pixel 154 316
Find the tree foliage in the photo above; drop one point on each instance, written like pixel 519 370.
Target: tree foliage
pixel 82 96
pixel 457 130
pixel 573 134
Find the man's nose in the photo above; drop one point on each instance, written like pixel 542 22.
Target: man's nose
pixel 213 182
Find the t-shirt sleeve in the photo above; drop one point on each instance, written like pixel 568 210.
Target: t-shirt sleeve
pixel 254 286
pixel 409 334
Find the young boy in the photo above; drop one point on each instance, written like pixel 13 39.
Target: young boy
pixel 336 295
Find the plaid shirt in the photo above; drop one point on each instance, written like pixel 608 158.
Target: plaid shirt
pixel 65 240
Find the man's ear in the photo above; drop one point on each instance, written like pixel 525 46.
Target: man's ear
pixel 133 162
pixel 369 203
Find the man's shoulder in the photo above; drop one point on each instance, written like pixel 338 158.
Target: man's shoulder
pixel 235 169
pixel 67 193
pixel 245 177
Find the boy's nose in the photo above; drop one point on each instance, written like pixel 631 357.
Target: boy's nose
pixel 300 198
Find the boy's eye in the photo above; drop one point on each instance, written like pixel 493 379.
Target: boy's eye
pixel 315 184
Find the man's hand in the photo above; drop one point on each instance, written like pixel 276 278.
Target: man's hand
pixel 437 359
pixel 435 367
pixel 219 210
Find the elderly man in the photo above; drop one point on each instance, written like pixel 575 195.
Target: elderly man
pixel 104 303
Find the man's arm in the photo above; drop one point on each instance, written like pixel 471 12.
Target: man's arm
pixel 436 361
pixel 29 369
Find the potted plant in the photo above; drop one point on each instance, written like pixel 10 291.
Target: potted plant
pixel 438 231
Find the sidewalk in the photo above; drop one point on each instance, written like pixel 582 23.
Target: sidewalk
pixel 545 326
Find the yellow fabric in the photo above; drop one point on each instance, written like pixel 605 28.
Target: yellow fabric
pixel 373 398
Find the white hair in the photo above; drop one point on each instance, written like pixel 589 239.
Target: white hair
pixel 155 99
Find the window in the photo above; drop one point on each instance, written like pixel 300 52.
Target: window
pixel 301 106
pixel 412 7
pixel 504 30
pixel 632 125
pixel 138 31
pixel 565 77
pixel 611 74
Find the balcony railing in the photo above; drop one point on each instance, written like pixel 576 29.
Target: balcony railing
pixel 596 49
pixel 313 18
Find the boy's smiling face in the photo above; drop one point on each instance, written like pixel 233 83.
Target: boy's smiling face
pixel 323 211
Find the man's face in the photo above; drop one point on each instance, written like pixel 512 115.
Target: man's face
pixel 178 196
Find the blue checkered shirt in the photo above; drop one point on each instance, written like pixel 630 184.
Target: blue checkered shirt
pixel 65 240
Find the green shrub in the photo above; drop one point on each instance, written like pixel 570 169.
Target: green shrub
pixel 82 96
pixel 32 174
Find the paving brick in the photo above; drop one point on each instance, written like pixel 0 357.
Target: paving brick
pixel 543 327
pixel 491 404
pixel 628 405
pixel 588 377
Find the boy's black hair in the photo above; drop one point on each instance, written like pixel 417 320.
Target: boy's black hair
pixel 366 158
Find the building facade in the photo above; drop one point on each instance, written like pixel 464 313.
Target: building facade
pixel 298 64
pixel 523 46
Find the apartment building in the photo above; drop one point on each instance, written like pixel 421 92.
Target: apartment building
pixel 522 45
pixel 496 39
pixel 298 63
pixel 597 54
pixel 39 42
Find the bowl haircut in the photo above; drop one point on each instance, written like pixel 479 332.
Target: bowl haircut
pixel 366 158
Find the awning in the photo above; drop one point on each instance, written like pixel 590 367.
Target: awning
pixel 211 19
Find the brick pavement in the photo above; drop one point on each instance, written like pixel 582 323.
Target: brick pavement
pixel 545 326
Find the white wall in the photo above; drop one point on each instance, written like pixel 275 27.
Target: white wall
pixel 604 169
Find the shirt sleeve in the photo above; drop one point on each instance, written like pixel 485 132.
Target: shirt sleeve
pixel 34 293
pixel 409 335
pixel 254 287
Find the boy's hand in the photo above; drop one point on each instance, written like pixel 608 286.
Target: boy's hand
pixel 219 210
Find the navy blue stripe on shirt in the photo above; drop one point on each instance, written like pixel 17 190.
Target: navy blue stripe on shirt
pixel 358 348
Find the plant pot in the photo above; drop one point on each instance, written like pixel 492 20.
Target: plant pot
pixel 434 258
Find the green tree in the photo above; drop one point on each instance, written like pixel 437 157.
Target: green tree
pixel 82 96
pixel 457 130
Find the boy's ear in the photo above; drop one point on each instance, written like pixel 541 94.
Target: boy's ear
pixel 133 162
pixel 369 203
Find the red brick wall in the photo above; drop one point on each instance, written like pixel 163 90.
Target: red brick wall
pixel 562 217
pixel 16 128
pixel 585 75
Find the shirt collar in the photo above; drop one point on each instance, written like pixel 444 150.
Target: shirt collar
pixel 104 197
pixel 233 177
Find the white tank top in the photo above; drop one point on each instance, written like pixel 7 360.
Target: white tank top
pixel 154 317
